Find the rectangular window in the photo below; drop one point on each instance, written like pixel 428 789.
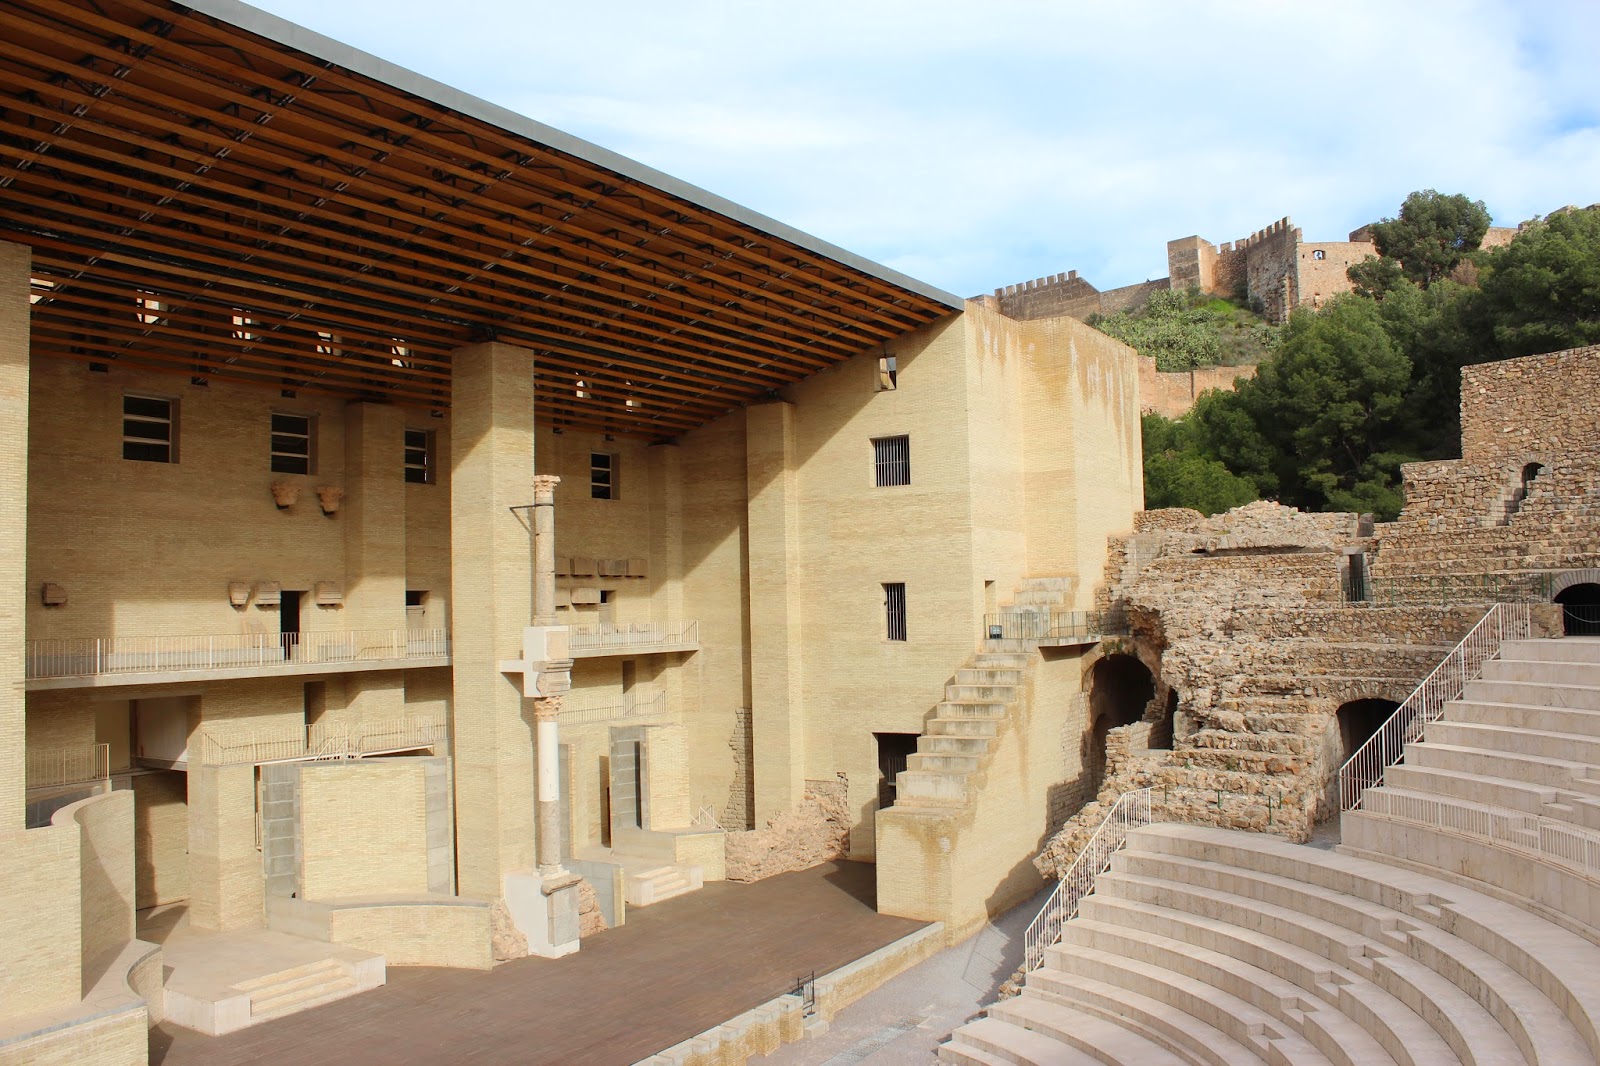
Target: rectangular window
pixel 602 476
pixel 888 375
pixel 149 429
pixel 292 439
pixel 419 456
pixel 891 460
pixel 894 609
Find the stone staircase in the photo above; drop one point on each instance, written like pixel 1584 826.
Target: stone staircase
pixel 645 885
pixel 298 989
pixel 1457 923
pixel 945 770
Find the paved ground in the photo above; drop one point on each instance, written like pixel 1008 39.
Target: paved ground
pixel 908 1018
pixel 674 970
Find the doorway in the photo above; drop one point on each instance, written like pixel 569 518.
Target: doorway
pixel 1580 610
pixel 893 751
pixel 289 623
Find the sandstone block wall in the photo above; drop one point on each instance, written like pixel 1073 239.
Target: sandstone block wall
pixel 40 919
pixel 363 829
pixel 1173 393
pixel 106 883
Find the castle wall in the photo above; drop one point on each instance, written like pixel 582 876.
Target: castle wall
pixel 1321 279
pixel 1173 393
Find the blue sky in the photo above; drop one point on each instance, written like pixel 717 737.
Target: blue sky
pixel 974 146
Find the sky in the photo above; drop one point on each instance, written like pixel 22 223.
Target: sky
pixel 973 146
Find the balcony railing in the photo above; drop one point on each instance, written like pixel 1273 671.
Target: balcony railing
pixel 92 657
pixel 620 638
pixel 336 740
pixel 60 767
pixel 629 709
pixel 1049 624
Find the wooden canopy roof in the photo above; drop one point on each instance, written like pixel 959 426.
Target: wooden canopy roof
pixel 215 192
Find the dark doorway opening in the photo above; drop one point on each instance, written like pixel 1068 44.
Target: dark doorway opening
pixel 1580 610
pixel 289 622
pixel 893 750
pixel 1120 688
pixel 1359 720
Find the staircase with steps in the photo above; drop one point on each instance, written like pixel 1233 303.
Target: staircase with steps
pixel 1459 921
pixel 298 989
pixel 954 827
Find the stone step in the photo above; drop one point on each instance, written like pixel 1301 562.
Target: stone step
pixel 969 708
pixel 1534 692
pixel 1177 1030
pixel 990 1040
pixel 1546 954
pixel 1241 1021
pixel 1473 1034
pixel 1537 1026
pixel 1001 694
pixel 1565 649
pixel 1521 796
pixel 1532 769
pixel 1341 1038
pixel 643 886
pixel 298 989
pixel 1576 721
pixel 940 761
pixel 1549 673
pixel 1062 582
pixel 1515 741
pixel 964 727
pixel 1080 1031
pixel 930 788
pixel 1001 659
pixel 933 743
pixel 1008 676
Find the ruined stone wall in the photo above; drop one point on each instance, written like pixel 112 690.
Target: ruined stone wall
pixel 1048 297
pixel 1527 406
pixel 1173 393
pixel 1271 269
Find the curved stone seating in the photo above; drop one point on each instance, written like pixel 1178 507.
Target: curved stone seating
pixel 1458 922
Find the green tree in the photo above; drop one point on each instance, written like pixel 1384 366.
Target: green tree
pixel 1376 276
pixel 1433 233
pixel 1175 475
pixel 1541 292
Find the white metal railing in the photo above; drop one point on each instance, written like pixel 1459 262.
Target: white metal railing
pixel 630 636
pixel 632 706
pixel 91 656
pixel 1547 838
pixel 1131 811
pixel 334 740
pixel 57 767
pixel 1364 769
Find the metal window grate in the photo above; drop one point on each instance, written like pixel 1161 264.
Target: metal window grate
pixel 148 429
pixel 894 609
pixel 291 444
pixel 419 456
pixel 891 460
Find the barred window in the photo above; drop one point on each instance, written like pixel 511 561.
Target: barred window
pixel 891 460
pixel 894 610
pixel 149 429
pixel 419 456
pixel 291 444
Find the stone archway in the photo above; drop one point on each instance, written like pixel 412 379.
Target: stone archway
pixel 1120 689
pixel 1580 608
pixel 1358 720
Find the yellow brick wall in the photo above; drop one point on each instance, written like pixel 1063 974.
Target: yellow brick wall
pixel 226 884
pixel 120 1039
pixel 363 829
pixel 105 849
pixel 161 838
pixel 15 265
pixel 39 920
pixel 455 936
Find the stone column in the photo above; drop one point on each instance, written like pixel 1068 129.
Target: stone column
pixel 546 709
pixel 777 718
pixel 16 266
pixel 544 549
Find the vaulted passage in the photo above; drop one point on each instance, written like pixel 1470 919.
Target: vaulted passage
pixel 1120 688
pixel 1580 610
pixel 1359 720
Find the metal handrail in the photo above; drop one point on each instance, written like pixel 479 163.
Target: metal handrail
pixel 337 740
pixel 58 767
pixel 1131 811
pixel 92 656
pixel 631 635
pixel 642 706
pixel 1549 839
pixel 1364 769
pixel 1050 623
pixel 1449 590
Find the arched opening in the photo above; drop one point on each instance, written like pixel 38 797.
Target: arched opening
pixel 1580 609
pixel 1120 688
pixel 1359 719
pixel 1520 493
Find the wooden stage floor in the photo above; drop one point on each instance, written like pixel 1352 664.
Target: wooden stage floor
pixel 675 969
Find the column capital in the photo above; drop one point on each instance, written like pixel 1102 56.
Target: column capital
pixel 546 707
pixel 544 488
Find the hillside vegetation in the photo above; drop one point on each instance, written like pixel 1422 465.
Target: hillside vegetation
pixel 1370 381
pixel 1184 330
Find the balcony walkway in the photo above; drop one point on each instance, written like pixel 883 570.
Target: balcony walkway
pixel 674 970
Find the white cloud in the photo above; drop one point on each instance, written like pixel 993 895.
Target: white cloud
pixel 974 147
